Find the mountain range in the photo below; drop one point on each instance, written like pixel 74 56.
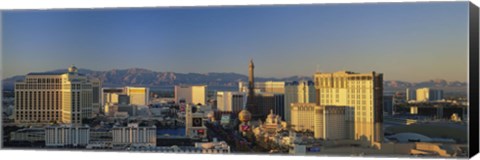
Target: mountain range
pixel 145 77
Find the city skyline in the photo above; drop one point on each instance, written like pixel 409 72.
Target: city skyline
pixel 377 79
pixel 283 40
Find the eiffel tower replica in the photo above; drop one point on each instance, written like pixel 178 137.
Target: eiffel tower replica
pixel 252 106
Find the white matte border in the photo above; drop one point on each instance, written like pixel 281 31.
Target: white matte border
pixel 64 4
pixel 86 155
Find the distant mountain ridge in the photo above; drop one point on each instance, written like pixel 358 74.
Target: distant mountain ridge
pixel 145 77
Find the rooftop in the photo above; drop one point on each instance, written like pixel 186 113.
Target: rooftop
pixel 45 73
pixel 50 73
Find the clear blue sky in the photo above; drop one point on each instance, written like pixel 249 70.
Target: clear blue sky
pixel 405 41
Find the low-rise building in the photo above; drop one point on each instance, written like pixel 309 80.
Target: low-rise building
pixel 100 138
pixel 67 136
pixel 201 147
pixel 134 134
pixel 28 135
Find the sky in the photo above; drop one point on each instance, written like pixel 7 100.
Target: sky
pixel 404 41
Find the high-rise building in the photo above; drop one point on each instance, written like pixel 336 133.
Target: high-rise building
pixel 110 109
pixel 327 122
pixel 134 134
pixel 362 94
pixel 266 102
pixel 138 95
pixel 268 86
pixel 131 110
pixel 54 97
pixel 270 101
pixel 411 94
pixel 231 101
pixel 298 92
pixel 428 94
pixel 195 94
pixel 67 136
pixel 123 99
pixel 388 104
pixel 303 116
pixel 330 124
pixel 97 96
pixel 110 95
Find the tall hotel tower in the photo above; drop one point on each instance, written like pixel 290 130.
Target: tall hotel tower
pixel 361 94
pixel 55 97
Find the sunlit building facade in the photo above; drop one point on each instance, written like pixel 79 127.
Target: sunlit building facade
pixel 298 92
pixel 303 116
pixel 55 97
pixel 330 124
pixel 134 134
pixel 138 95
pixel 67 136
pixel 231 101
pixel 196 94
pixel 428 94
pixel 110 95
pixel 362 94
pixel 268 86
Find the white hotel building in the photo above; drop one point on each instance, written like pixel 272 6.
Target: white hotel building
pixel 134 134
pixel 231 101
pixel 67 136
pixel 196 94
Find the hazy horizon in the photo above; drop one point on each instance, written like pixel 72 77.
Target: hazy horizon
pixel 428 42
pixel 217 72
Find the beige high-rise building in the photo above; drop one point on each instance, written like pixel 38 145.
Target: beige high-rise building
pixel 330 123
pixel 303 116
pixel 195 94
pixel 138 95
pixel 428 94
pixel 298 92
pixel 110 95
pixel 268 86
pixel 362 94
pixel 54 97
pixel 231 101
pixel 326 122
pixel 111 98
